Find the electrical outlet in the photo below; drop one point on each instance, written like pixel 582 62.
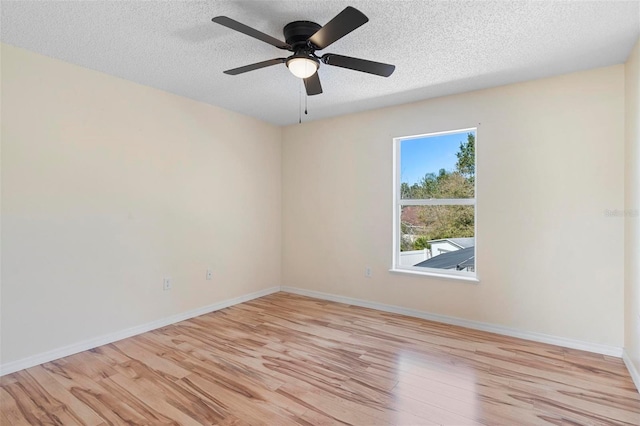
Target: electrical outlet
pixel 367 272
pixel 166 283
pixel 209 274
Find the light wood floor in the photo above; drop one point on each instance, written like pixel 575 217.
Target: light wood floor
pixel 286 359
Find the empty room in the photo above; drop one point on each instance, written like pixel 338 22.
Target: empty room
pixel 320 212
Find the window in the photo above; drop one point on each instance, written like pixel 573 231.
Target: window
pixel 435 204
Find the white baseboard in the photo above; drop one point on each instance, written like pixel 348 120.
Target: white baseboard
pixel 54 354
pixel 476 325
pixel 633 371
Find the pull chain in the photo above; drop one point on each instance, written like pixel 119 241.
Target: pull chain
pixel 306 97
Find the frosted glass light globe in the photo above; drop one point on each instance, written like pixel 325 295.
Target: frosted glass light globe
pixel 302 67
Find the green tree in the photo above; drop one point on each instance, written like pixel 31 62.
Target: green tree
pixel 448 221
pixel 405 191
pixel 428 186
pixel 466 164
pixel 405 245
pixel 421 243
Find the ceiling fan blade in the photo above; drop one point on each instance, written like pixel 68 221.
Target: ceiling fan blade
pixel 255 66
pixel 235 25
pixel 345 22
pixel 371 67
pixel 312 84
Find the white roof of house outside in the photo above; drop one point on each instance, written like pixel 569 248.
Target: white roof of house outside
pixel 460 242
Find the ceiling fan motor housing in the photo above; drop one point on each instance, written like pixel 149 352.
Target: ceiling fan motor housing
pixel 297 33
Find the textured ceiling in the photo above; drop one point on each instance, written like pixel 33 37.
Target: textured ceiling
pixel 438 47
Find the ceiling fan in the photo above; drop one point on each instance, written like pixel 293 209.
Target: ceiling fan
pixel 303 38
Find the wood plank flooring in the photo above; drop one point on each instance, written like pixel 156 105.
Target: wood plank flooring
pixel 285 359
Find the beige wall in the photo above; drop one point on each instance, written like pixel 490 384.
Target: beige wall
pixel 632 207
pixel 107 186
pixel 550 162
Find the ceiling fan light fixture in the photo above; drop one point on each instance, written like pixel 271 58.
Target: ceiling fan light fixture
pixel 302 66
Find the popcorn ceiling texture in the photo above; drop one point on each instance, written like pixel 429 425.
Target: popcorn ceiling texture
pixel 438 47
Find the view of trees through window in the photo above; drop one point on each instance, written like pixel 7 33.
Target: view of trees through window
pixel 437 201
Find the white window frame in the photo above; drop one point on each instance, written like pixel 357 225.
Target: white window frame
pixel 398 203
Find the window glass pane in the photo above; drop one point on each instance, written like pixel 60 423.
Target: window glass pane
pixel 440 237
pixel 439 166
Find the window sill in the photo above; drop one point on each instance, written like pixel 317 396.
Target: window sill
pixel 436 275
